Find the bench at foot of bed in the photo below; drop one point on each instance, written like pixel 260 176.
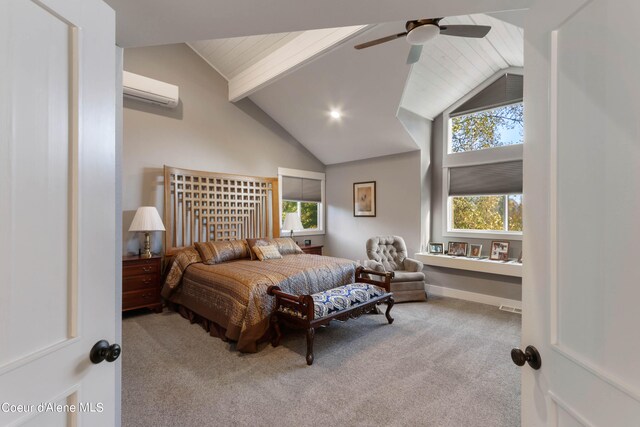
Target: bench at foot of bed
pixel 341 303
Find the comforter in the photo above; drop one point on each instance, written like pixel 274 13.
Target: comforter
pixel 234 294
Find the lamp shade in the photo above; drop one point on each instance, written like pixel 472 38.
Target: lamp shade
pixel 292 222
pixel 146 219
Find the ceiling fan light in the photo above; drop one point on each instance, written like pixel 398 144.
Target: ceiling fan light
pixel 422 34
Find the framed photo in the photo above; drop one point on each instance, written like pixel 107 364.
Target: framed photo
pixel 475 251
pixel 364 198
pixel 436 248
pixel 458 248
pixel 499 251
pixel 307 242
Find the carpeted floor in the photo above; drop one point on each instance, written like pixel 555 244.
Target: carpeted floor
pixel 441 363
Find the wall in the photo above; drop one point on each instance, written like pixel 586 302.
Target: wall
pixel 205 132
pixel 500 286
pixel 397 203
pixel 420 130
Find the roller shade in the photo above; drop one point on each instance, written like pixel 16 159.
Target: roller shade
pixel 506 90
pixel 301 189
pixel 496 178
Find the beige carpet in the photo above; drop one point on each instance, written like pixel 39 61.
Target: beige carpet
pixel 441 363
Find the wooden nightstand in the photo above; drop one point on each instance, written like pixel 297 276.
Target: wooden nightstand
pixel 312 249
pixel 141 283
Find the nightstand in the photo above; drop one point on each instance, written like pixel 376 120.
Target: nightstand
pixel 312 249
pixel 141 283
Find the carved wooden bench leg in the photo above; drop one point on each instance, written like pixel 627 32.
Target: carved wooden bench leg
pixel 390 303
pixel 310 335
pixel 275 340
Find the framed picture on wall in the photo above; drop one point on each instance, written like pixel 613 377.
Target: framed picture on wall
pixel 499 251
pixel 458 248
pixel 436 248
pixel 475 251
pixel 364 198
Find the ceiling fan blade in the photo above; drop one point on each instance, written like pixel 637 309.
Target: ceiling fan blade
pixel 414 54
pixel 379 41
pixel 475 31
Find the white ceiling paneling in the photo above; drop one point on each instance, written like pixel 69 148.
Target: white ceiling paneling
pixel 232 56
pixel 506 39
pixel 366 85
pixel 450 67
pixel 297 53
pixel 157 22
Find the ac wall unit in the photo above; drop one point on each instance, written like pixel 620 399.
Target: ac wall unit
pixel 149 90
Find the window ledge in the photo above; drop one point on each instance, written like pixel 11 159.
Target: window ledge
pixel 493 235
pixel 510 268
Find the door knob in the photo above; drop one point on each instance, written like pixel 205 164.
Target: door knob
pixel 530 355
pixel 102 350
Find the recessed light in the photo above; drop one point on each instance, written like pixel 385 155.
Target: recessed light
pixel 335 114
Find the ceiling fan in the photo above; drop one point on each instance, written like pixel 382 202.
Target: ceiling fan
pixel 421 31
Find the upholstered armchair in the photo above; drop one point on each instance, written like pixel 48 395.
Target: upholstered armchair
pixel 389 253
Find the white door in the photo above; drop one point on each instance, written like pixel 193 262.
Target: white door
pixel 57 214
pixel 581 289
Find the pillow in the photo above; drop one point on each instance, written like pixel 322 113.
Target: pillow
pixel 251 243
pixel 287 246
pixel 267 252
pixel 221 251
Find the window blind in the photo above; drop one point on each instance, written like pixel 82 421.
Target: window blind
pixel 301 189
pixel 506 90
pixel 488 179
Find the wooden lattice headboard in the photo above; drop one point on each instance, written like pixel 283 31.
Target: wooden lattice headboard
pixel 202 206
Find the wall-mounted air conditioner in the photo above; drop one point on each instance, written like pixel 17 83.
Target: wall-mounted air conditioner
pixel 149 90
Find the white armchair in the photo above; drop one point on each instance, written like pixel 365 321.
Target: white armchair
pixel 389 253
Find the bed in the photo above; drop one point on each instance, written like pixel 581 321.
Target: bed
pixel 215 279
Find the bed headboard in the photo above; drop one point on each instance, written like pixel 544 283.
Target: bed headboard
pixel 202 206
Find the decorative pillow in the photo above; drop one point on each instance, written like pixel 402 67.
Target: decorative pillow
pixel 267 252
pixel 221 251
pixel 287 246
pixel 251 243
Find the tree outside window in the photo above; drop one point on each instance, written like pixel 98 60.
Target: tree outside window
pixel 487 213
pixel 497 127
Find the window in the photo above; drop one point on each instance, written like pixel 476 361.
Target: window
pixel 302 192
pixel 308 212
pixel 501 213
pixel 497 127
pixel 482 161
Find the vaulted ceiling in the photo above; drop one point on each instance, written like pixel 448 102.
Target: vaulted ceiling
pixel 232 56
pixel 368 86
pixel 156 22
pixel 450 67
pixel 365 86
pixel 245 41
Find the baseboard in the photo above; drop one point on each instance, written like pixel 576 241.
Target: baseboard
pixel 472 296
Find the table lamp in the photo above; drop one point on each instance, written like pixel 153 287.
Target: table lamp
pixel 292 223
pixel 146 220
